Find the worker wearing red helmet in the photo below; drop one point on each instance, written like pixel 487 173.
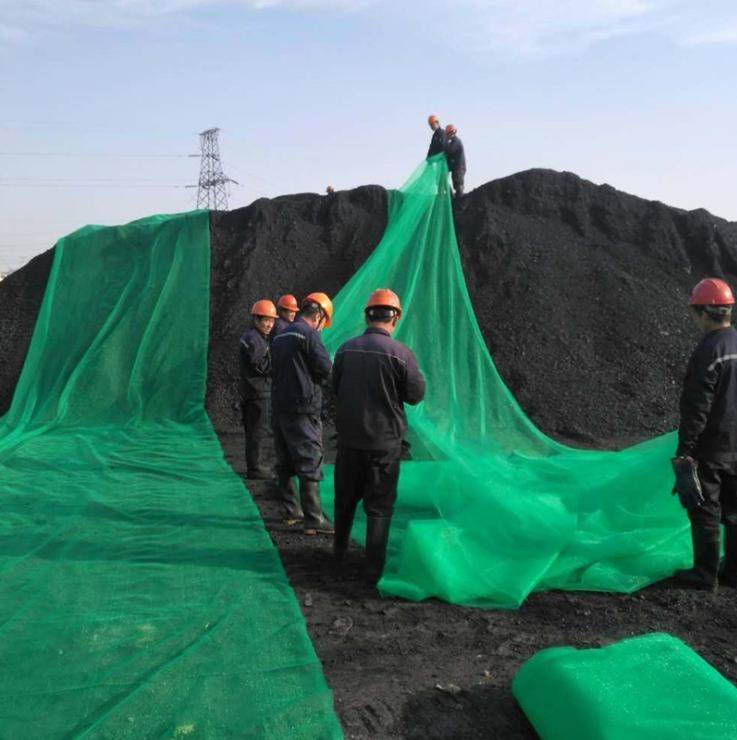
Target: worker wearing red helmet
pixel 706 458
pixel 373 377
pixel 255 386
pixel 300 365
pixel 437 143
pixel 287 308
pixel 456 157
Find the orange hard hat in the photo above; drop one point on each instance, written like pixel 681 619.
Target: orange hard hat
pixel 384 298
pixel 712 292
pixel 325 304
pixel 288 302
pixel 451 130
pixel 433 119
pixel 264 307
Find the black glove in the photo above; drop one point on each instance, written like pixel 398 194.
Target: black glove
pixel 687 486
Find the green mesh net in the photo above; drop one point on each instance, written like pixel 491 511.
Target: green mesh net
pixel 492 509
pixel 646 687
pixel 140 595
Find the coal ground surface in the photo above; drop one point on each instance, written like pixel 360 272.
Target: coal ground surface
pixel 384 657
pixel 580 291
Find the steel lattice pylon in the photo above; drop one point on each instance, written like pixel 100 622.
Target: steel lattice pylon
pixel 212 191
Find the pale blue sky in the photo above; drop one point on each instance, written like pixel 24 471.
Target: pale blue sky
pixel 636 93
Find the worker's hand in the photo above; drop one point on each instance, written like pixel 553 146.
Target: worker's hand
pixel 687 485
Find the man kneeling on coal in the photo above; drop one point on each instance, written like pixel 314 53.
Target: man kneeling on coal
pixel 706 458
pixel 373 377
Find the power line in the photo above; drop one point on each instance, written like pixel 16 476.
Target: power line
pixel 90 154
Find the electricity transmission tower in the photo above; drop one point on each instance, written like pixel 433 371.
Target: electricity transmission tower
pixel 212 191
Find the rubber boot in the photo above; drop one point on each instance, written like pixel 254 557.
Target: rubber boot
pixel 344 515
pixel 290 500
pixel 315 522
pixel 728 573
pixel 377 535
pixel 705 569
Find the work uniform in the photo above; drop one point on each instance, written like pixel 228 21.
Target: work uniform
pixel 300 364
pixel 280 325
pixel 373 377
pixel 708 434
pixel 255 392
pixel 456 157
pixel 437 143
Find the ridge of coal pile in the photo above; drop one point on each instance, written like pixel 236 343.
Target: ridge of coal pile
pixel 292 244
pixel 581 292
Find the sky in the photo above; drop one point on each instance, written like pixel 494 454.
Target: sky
pixel 102 100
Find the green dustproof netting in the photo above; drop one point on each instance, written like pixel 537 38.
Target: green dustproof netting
pixel 643 688
pixel 492 509
pixel 140 594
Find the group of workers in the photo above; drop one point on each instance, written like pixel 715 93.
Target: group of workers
pixel 283 365
pixel 446 140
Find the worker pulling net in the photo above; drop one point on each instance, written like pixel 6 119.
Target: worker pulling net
pixel 141 595
pixel 490 508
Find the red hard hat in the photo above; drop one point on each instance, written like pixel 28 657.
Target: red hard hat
pixel 712 292
pixel 451 130
pixel 264 307
pixel 325 304
pixel 288 302
pixel 384 298
pixel 433 119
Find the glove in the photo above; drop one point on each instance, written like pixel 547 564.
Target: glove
pixel 687 486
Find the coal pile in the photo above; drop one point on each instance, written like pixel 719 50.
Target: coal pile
pixel 580 291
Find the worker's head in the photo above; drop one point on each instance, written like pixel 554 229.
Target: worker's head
pixel 433 122
pixel 383 309
pixel 451 130
pixel 317 311
pixel 263 314
pixel 287 307
pixel 330 190
pixel 711 303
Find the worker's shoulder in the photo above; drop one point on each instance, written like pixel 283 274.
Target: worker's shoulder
pixel 377 343
pixel 251 335
pixel 297 330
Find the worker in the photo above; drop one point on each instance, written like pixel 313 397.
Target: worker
pixel 456 157
pixel 706 457
pixel 437 143
pixel 287 308
pixel 373 377
pixel 255 386
pixel 300 364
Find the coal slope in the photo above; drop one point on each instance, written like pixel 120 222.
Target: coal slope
pixel 292 244
pixel 21 294
pixel 581 292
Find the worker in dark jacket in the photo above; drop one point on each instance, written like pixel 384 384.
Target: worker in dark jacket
pixel 300 364
pixel 373 377
pixel 456 157
pixel 437 143
pixel 706 458
pixel 255 386
pixel 287 308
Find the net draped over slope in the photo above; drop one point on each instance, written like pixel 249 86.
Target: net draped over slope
pixel 140 594
pixel 491 508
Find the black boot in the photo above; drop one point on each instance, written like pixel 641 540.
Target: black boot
pixel 255 469
pixel 309 495
pixel 290 500
pixel 728 571
pixel 705 569
pixel 344 514
pixel 377 535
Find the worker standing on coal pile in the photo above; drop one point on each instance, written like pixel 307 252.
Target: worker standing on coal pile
pixel 287 308
pixel 437 143
pixel 706 458
pixel 456 157
pixel 255 386
pixel 300 364
pixel 373 377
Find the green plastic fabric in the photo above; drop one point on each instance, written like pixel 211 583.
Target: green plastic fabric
pixel 491 508
pixel 646 687
pixel 140 596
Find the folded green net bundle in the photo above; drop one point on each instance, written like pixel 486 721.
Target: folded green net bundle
pixel 646 687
